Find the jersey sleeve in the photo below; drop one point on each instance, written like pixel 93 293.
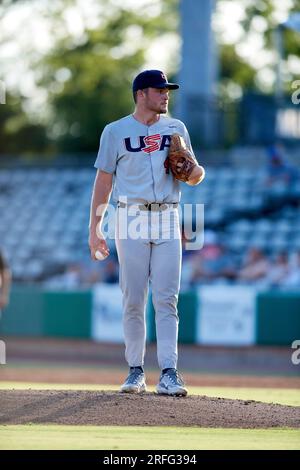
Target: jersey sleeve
pixel 107 154
pixel 187 140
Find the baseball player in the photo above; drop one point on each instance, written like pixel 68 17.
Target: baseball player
pixel 131 162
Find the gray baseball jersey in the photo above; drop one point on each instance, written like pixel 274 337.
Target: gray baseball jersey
pixel 135 153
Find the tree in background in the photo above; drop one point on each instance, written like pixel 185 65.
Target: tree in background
pixel 16 129
pixel 87 75
pixel 248 59
pixel 88 85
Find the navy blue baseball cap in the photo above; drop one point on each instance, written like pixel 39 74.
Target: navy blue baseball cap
pixel 152 79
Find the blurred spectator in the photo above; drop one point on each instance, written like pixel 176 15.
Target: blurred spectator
pixel 279 270
pixel 92 275
pixel 5 282
pixel 70 278
pixel 84 274
pixel 278 168
pixel 106 271
pixel 111 271
pixel 213 262
pixel 293 278
pixel 255 268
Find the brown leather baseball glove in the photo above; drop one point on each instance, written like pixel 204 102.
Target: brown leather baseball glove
pixel 180 160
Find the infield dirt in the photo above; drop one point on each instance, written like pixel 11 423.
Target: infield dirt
pixel 112 408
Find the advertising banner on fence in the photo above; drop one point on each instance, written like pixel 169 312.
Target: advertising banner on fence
pixel 107 313
pixel 226 315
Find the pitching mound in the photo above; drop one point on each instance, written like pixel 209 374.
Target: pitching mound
pixel 112 408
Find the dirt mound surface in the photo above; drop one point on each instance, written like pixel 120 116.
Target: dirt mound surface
pixel 113 408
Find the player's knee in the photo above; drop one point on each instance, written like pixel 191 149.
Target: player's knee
pixel 166 301
pixel 134 309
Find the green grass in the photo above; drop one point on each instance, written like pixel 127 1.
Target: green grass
pixel 111 437
pixel 281 396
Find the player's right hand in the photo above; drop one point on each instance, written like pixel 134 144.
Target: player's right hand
pixel 98 244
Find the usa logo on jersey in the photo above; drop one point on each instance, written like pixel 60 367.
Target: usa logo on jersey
pixel 148 143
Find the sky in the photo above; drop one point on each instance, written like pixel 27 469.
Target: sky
pixel 27 24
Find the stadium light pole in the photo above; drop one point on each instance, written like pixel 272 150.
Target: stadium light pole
pixel 199 70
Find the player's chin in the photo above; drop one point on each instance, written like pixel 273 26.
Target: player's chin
pixel 163 109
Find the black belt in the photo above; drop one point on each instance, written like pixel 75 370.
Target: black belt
pixel 151 206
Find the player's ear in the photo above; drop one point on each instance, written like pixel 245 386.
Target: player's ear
pixel 143 92
pixel 137 95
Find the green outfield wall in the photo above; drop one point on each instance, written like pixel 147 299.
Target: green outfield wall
pixel 278 317
pixel 33 311
pixel 275 316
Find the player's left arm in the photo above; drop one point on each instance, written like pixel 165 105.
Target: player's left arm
pixel 198 173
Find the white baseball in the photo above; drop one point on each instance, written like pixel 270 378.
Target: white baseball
pixel 100 256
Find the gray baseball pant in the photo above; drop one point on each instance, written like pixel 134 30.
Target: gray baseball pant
pixel 149 252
